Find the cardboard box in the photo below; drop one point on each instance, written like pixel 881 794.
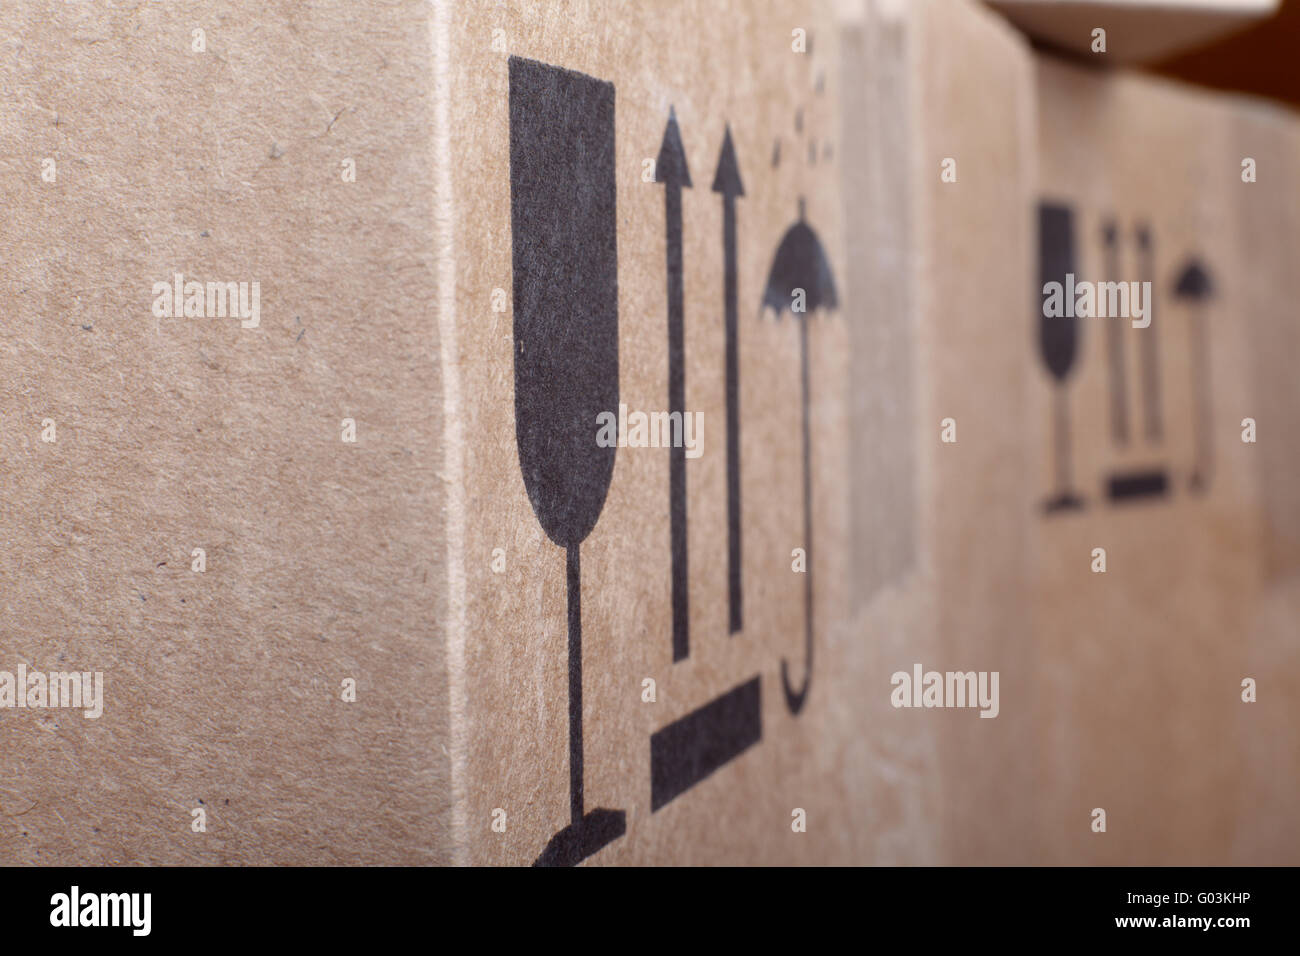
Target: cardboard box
pixel 324 560
pixel 1145 181
pixel 436 617
pixel 726 760
pixel 673 713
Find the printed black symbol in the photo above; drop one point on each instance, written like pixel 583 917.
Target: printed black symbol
pixel 1058 340
pixel 1150 336
pixel 562 216
pixel 1115 344
pixel 670 169
pixel 1058 337
pixel 1115 337
pixel 1195 288
pixel 1138 484
pixel 800 264
pixel 685 752
pixel 688 750
pixel 1143 483
pixel 726 181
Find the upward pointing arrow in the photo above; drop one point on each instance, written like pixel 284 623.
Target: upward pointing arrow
pixel 1150 364
pixel 1115 344
pixel 727 179
pixel 727 182
pixel 670 169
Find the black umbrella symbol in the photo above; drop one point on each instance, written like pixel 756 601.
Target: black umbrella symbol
pixel 800 280
pixel 1195 287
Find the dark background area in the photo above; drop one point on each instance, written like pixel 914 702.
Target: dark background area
pixel 1264 59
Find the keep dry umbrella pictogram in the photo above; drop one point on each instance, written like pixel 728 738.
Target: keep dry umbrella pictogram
pixel 1195 288
pixel 800 281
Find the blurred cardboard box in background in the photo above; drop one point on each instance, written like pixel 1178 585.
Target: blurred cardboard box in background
pixel 1147 659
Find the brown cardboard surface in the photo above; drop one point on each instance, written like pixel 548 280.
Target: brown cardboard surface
pixel 1267 220
pixel 849 759
pixel 973 247
pixel 880 130
pixel 324 560
pixel 414 560
pixel 1267 225
pixel 1143 664
pixel 735 67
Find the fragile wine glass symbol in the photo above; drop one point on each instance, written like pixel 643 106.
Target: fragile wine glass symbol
pixel 562 206
pixel 1058 337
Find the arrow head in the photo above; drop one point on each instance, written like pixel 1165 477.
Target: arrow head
pixel 1193 282
pixel 727 179
pixel 670 167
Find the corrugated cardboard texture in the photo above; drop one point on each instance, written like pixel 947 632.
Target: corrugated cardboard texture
pixel 523 172
pixel 324 560
pixel 855 764
pixel 733 67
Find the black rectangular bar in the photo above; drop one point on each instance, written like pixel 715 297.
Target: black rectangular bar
pixel 1138 484
pixel 688 750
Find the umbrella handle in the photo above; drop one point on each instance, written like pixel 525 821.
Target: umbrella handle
pixel 794 700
